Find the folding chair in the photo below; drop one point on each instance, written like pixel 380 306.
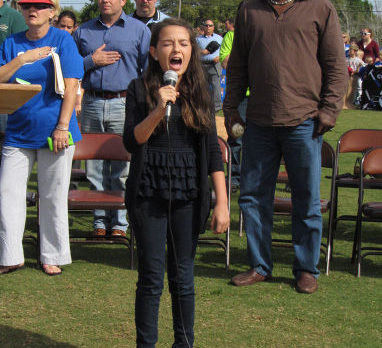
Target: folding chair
pixel 352 141
pixel 100 146
pixel 371 164
pixel 224 243
pixel 283 205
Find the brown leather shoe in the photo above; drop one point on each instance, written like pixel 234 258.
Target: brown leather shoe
pixel 118 233
pixel 98 232
pixel 248 278
pixel 306 283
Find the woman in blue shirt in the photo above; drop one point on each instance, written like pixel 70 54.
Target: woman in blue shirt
pixel 28 55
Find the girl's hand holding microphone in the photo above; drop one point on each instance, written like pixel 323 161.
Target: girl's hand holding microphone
pixel 166 94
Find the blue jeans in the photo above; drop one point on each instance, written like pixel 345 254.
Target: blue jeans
pixel 235 145
pixel 3 122
pixel 262 151
pixel 213 74
pixel 105 116
pixel 151 250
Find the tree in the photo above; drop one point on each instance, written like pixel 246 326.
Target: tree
pixel 196 11
pixel 355 14
pixel 90 10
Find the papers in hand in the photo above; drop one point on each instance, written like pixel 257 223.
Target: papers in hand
pixel 59 83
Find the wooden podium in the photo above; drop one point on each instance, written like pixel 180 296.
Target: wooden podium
pixel 13 96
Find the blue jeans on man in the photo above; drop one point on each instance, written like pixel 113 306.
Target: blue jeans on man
pixel 213 72
pixel 262 151
pixel 100 115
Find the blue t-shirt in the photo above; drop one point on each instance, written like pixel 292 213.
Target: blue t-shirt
pixel 31 124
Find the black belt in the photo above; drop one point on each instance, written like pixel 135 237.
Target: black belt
pixel 106 94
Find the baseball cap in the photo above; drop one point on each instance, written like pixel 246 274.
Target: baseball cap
pixel 49 2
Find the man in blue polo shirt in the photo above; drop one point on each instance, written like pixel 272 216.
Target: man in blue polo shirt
pixel 115 50
pixel 209 44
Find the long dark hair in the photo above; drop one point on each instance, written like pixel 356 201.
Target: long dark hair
pixel 197 110
pixel 69 14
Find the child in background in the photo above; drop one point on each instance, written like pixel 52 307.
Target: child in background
pixel 360 54
pixel 369 60
pixel 354 64
pixel 363 70
pixel 353 41
pixel 67 21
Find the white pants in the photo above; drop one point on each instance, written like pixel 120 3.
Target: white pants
pixel 53 184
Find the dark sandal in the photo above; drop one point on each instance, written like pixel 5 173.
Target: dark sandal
pixel 10 269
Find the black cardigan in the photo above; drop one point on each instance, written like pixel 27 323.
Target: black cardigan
pixel 208 155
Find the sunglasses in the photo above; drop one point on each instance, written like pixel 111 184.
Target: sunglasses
pixel 364 34
pixel 208 25
pixel 36 6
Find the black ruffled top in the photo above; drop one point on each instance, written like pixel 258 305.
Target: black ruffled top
pixel 171 157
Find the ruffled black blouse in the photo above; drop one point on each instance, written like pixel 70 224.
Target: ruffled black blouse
pixel 170 161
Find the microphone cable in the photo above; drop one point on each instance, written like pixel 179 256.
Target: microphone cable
pixel 172 235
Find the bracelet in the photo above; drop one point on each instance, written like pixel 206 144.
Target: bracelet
pixel 62 128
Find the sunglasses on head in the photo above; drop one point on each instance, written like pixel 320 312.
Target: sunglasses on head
pixel 36 6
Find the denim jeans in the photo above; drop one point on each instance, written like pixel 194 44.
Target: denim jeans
pixel 3 122
pixel 213 74
pixel 235 145
pixel 151 250
pixel 262 151
pixel 105 116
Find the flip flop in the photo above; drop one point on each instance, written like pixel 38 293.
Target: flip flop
pixel 10 269
pixel 46 268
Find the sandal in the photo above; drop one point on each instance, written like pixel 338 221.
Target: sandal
pixel 51 270
pixel 9 269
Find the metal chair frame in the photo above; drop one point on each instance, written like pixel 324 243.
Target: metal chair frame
pixel 224 243
pixel 371 164
pixel 100 146
pixel 352 141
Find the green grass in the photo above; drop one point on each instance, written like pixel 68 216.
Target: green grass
pixel 92 303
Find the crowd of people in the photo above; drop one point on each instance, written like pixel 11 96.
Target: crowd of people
pixel 361 55
pixel 115 69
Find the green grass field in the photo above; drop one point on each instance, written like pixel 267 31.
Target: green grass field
pixel 92 303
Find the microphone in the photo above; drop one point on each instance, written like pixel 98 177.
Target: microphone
pixel 170 77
